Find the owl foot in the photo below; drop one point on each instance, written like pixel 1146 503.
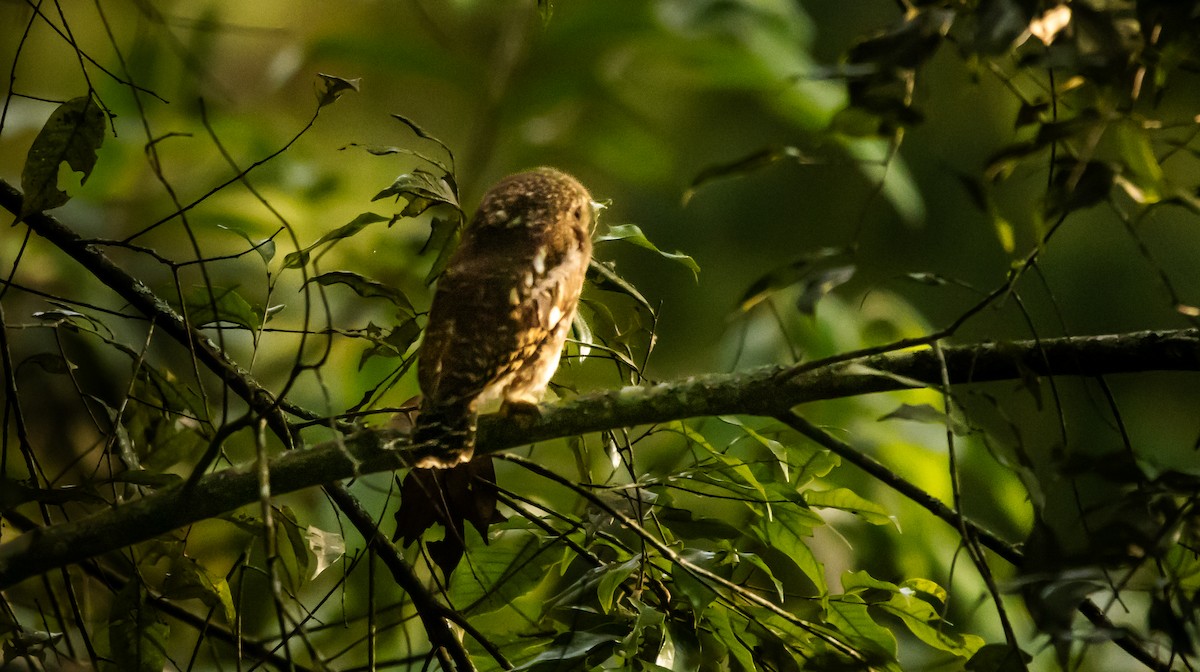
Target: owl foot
pixel 523 414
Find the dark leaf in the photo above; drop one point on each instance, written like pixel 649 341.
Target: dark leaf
pixel 137 637
pixel 14 493
pixel 366 288
pixel 998 658
pixel 785 276
pixel 814 288
pixel 72 135
pixel 444 235
pixel 50 362
pixel 332 88
pixel 927 414
pixel 999 24
pixel 747 164
pixel 300 257
pixel 423 190
pixel 572 651
pixel 425 135
pixel 450 498
pixel 605 278
pixel 1079 186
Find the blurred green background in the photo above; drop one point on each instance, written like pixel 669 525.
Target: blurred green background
pixel 637 98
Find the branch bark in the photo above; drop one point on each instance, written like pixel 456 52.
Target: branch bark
pixel 769 392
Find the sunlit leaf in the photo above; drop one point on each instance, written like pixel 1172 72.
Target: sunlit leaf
pixel 326 546
pixel 187 579
pixel 844 499
pixel 630 233
pixel 72 134
pixel 848 613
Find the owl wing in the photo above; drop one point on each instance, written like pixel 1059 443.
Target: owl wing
pixel 496 309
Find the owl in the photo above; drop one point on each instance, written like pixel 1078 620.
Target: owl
pixel 503 308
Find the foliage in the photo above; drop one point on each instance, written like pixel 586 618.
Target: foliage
pixel 238 294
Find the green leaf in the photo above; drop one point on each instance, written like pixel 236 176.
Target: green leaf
pixel 291 546
pixel 265 247
pixel 395 343
pixel 611 578
pixel 444 235
pixel 733 638
pixel 188 580
pixel 630 233
pixel 848 613
pixel 137 637
pixel 846 500
pixel 805 269
pixel 786 532
pixel 777 449
pixel 332 88
pixel 300 257
pixel 500 572
pixel 927 414
pixel 571 651
pixel 1143 176
pixel 761 564
pixel 366 288
pixel 747 164
pixel 223 305
pixel 425 135
pixel 695 591
pixel 72 134
pixel 605 278
pixel 423 190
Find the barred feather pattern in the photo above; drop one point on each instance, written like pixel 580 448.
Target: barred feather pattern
pixel 503 307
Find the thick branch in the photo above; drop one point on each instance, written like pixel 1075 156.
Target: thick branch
pixel 767 392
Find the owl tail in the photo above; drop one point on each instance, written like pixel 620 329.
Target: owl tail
pixel 444 436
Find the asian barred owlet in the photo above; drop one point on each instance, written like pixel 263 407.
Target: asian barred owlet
pixel 502 308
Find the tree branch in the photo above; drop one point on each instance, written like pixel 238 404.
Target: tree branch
pixel 771 392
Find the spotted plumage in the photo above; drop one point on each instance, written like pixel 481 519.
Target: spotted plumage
pixel 503 307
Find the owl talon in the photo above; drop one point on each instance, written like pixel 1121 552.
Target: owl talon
pixel 524 414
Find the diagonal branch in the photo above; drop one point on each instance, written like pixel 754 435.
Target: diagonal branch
pixel 771 392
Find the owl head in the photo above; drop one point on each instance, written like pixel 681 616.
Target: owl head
pixel 540 200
